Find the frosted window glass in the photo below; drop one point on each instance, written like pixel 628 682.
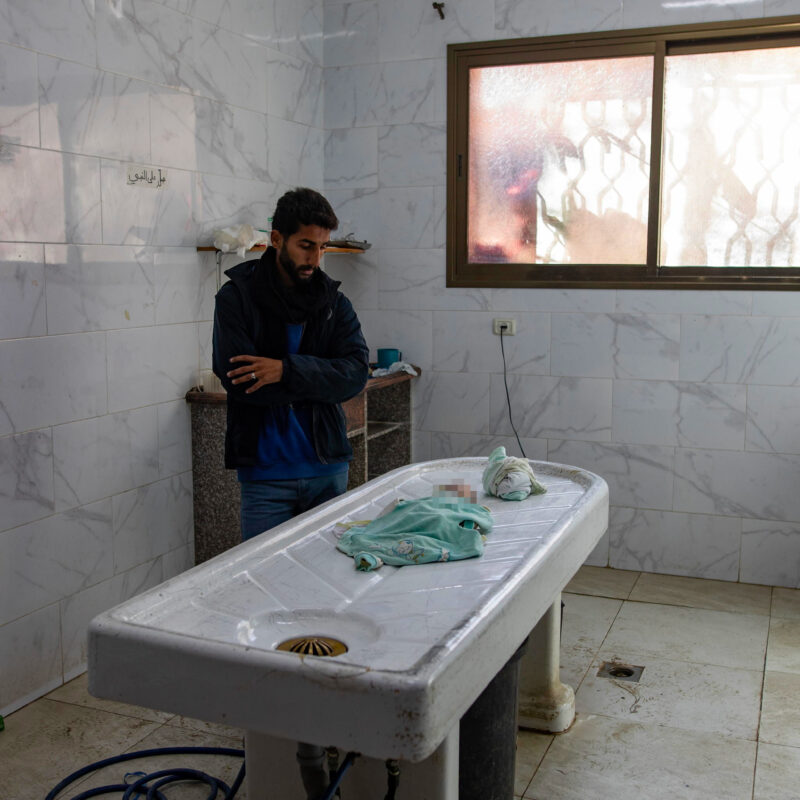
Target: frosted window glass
pixel 731 159
pixel 559 162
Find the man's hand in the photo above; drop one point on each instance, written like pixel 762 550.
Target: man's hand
pixel 257 370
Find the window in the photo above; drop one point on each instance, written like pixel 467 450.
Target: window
pixel 657 158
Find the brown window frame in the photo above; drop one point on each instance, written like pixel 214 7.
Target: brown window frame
pixel 658 42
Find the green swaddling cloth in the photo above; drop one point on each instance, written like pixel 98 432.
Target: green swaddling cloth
pixel 509 478
pixel 419 532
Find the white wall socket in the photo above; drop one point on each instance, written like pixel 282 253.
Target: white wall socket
pixel 507 326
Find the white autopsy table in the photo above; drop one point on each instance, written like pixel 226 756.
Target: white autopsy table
pixel 423 641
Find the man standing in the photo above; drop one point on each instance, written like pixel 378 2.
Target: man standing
pixel 288 349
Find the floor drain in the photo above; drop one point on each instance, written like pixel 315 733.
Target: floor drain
pixel 314 646
pixel 620 672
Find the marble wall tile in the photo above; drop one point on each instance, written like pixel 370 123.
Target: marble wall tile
pixel 26 478
pixel 66 29
pixel 420 446
pixel 205 332
pixel 96 458
pixel 414 31
pixel 295 153
pixel 184 130
pixel 79 609
pixel 615 345
pixel 84 110
pixel 19 96
pixel 698 545
pixel 407 218
pixel 520 18
pixel 294 89
pixel 48 196
pixel 46 560
pixel 221 201
pixel 409 331
pixel 772 414
pixel 351 159
pixel 145 40
pixel 740 350
pixel 770 553
pixel 755 485
pixel 774 304
pixel 228 67
pixel 174 438
pixel 358 211
pixel 593 300
pixel 22 303
pixel 394 93
pixel 649 13
pixel 351 33
pixel 681 414
pixel 144 215
pixel 412 155
pixel 25 679
pixel 684 301
pixel 553 407
pixel 185 284
pixel 358 274
pixel 296 28
pixel 416 279
pixel 599 557
pixel 463 342
pixel 178 560
pixel 452 401
pixel 51 379
pixel 639 476
pixel 195 133
pixel 91 288
pixel 150 365
pixel 459 445
pixel 152 520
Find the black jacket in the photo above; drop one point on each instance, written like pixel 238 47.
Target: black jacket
pixel 332 364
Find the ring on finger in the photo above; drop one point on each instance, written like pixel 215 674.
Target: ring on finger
pixel 252 376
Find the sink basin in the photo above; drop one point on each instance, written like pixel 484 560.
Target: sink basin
pixel 421 641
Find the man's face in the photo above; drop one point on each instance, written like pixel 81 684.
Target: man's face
pixel 300 254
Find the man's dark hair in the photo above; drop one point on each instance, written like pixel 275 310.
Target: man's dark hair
pixel 303 206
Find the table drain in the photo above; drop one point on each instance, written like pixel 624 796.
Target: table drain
pixel 620 672
pixel 314 646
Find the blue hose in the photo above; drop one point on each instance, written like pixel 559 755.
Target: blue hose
pixel 337 777
pixel 139 787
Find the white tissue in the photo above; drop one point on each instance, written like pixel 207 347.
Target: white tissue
pixel 239 238
pixel 398 366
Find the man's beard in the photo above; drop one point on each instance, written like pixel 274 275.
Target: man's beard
pixel 299 284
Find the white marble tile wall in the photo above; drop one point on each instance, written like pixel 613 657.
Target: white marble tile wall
pixel 685 401
pixel 105 303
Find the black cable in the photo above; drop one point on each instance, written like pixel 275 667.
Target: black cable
pixel 508 396
pixel 392 779
pixel 168 776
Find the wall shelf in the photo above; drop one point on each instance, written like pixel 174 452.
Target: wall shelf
pixel 260 248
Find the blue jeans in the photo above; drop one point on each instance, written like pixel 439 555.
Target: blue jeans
pixel 266 504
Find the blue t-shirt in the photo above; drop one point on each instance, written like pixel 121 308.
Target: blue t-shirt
pixel 285 443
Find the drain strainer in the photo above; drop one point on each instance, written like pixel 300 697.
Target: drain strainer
pixel 314 646
pixel 620 672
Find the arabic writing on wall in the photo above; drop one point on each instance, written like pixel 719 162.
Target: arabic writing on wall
pixel 155 177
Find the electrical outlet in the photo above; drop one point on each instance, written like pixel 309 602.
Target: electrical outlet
pixel 507 326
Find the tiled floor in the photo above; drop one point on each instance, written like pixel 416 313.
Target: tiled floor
pixel 716 713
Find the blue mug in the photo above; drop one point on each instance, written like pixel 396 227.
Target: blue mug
pixel 387 356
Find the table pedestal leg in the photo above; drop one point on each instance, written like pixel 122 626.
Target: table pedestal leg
pixel 545 704
pixel 274 774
